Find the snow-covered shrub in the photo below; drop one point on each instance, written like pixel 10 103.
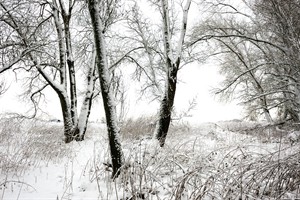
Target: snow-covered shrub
pixel 242 174
pixel 263 131
pixel 150 172
pixel 138 128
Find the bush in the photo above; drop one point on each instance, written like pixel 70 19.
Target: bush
pixel 138 128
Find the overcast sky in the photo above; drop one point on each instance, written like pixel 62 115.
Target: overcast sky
pixel 196 81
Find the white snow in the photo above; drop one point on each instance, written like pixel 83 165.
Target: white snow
pixel 36 164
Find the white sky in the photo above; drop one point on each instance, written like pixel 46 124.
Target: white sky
pixel 195 81
pixel 200 80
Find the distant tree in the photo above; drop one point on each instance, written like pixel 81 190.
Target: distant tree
pixel 257 52
pixel 280 25
pixel 103 71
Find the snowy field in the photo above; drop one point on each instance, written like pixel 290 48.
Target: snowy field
pixel 224 160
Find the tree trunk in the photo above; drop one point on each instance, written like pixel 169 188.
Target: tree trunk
pixel 67 119
pixel 108 102
pixel 265 109
pixel 71 67
pixel 85 111
pixel 166 107
pixel 73 95
pixel 172 66
pixel 64 102
pixel 63 97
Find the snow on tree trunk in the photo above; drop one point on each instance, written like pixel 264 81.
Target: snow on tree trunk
pixel 74 129
pixel 108 102
pixel 67 118
pixel 166 108
pixel 73 94
pixel 61 45
pixel 66 16
pixel 172 66
pixel 266 110
pixel 64 102
pixel 86 104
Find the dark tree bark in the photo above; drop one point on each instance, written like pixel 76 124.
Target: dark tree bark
pixel 75 127
pixel 108 102
pixel 172 66
pixel 167 104
pixel 66 17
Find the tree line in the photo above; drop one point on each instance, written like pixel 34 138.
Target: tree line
pixel 80 48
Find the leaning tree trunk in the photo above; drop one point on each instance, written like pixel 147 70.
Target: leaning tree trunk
pixel 172 66
pixel 108 102
pixel 265 109
pixel 167 103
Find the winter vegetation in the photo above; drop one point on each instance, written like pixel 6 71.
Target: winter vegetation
pixel 225 160
pixel 80 51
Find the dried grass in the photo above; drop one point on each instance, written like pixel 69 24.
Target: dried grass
pixel 138 128
pixel 144 126
pixel 243 174
pixel 24 143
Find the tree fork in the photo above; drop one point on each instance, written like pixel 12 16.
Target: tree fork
pixel 172 65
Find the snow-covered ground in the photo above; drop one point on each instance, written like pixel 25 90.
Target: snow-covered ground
pixel 224 160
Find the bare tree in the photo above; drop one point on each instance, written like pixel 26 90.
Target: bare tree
pixel 35 39
pixel 146 53
pixel 258 53
pixel 158 57
pixel 172 64
pixel 280 18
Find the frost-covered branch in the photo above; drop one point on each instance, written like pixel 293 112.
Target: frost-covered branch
pixel 166 28
pixel 212 36
pixel 183 29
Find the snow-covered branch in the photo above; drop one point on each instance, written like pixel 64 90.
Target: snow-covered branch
pixel 183 29
pixel 166 29
pixel 54 85
pixel 214 36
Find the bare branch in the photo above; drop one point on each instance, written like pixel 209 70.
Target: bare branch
pixel 211 36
